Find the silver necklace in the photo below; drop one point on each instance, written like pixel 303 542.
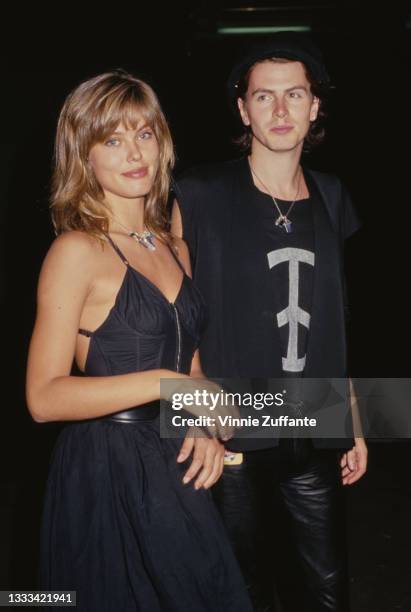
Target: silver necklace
pixel 282 220
pixel 145 238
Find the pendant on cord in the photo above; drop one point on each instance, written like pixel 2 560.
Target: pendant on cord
pixel 285 223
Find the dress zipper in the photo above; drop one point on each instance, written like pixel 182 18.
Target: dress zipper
pixel 178 337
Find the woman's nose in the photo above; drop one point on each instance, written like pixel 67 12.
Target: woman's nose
pixel 134 153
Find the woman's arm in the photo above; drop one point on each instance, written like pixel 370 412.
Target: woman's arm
pixel 66 279
pixel 207 453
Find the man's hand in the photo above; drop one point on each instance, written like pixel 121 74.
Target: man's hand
pixel 208 456
pixel 354 462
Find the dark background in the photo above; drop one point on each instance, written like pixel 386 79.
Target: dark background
pixel 176 48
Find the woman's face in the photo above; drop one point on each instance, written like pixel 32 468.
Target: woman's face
pixel 125 164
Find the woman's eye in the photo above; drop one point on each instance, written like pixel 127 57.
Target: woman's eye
pixel 112 142
pixel 146 134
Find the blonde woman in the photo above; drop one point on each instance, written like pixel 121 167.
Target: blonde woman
pixel 120 526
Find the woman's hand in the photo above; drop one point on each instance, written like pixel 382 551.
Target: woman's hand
pixel 203 398
pixel 208 459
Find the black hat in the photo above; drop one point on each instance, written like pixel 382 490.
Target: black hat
pixel 290 45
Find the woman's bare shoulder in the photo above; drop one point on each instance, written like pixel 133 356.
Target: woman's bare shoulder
pixel 74 247
pixel 74 244
pixel 74 256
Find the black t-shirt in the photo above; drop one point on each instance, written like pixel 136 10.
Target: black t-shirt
pixel 289 272
pixel 236 254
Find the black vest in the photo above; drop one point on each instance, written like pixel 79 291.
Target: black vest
pixel 221 230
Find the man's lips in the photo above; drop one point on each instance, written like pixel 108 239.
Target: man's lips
pixel 137 173
pixel 282 129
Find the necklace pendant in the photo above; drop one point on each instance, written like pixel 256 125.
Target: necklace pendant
pixel 135 236
pixel 147 241
pixel 283 222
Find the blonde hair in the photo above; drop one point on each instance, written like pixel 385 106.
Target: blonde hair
pixel 89 115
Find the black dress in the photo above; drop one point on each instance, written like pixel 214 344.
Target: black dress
pixel 119 526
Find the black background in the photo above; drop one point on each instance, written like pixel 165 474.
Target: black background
pixel 175 48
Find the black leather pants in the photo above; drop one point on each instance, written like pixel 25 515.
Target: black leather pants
pixel 284 512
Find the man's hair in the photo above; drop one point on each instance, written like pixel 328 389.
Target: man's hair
pixel 316 132
pixel 90 114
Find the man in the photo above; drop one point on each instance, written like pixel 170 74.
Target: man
pixel 266 239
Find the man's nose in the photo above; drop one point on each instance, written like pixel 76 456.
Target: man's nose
pixel 280 107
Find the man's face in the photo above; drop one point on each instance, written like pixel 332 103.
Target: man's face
pixel 278 105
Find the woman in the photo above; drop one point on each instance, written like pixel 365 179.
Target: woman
pixel 120 527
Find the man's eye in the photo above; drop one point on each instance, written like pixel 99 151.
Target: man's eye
pixel 295 94
pixel 263 98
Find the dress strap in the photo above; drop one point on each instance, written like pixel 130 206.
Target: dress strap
pixel 85 332
pixel 174 254
pixel 117 250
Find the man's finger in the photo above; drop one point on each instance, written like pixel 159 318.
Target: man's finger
pixel 354 476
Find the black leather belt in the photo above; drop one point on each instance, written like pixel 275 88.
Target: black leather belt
pixel 147 412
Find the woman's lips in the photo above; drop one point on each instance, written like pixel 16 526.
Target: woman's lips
pixel 136 174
